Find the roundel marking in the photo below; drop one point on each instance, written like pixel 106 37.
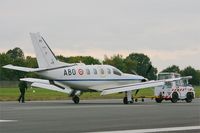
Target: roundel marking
pixel 80 71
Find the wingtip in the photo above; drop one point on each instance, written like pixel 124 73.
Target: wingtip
pixel 7 66
pixel 32 33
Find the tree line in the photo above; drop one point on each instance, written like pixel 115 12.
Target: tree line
pixel 134 63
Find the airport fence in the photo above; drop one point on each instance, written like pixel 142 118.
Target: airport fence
pixel 8 84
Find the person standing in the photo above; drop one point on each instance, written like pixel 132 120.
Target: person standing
pixel 22 88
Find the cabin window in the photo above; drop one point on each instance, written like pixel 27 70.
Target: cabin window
pixel 88 71
pixel 117 72
pixel 102 71
pixel 95 71
pixel 109 71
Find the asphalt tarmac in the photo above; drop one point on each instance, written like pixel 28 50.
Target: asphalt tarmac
pixel 97 116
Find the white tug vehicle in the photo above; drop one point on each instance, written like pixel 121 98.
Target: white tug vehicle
pixel 176 90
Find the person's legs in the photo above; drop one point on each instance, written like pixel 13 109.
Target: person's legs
pixel 23 99
pixel 20 97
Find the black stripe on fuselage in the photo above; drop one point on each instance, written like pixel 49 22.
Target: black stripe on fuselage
pixel 97 79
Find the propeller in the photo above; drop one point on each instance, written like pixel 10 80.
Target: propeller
pixel 144 80
pixel 149 69
pixel 136 92
pixel 134 72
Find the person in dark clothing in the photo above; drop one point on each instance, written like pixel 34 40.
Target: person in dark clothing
pixel 22 87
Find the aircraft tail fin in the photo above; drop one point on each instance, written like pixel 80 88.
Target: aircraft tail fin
pixel 45 56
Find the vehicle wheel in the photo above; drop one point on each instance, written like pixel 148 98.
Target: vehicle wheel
pixel 142 99
pixel 174 97
pixel 189 97
pixel 76 99
pixel 158 100
pixel 125 100
pixel 136 100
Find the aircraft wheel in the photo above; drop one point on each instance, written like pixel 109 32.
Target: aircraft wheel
pixel 189 97
pixel 174 97
pixel 76 99
pixel 159 100
pixel 125 100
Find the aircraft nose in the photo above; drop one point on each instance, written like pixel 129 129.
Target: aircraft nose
pixel 143 79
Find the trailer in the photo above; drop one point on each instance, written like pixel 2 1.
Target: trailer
pixel 174 91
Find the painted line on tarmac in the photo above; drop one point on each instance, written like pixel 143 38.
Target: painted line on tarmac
pixel 4 121
pixel 168 129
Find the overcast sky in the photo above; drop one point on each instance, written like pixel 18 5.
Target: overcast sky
pixel 167 31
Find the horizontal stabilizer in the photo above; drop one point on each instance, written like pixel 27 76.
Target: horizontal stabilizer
pixel 26 69
pixel 35 80
pixel 52 87
pixel 46 84
pixel 131 87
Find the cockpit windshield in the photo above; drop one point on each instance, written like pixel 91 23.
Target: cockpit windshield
pixel 117 72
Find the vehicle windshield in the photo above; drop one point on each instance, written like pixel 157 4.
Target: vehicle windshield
pixel 168 84
pixel 182 82
pixel 164 76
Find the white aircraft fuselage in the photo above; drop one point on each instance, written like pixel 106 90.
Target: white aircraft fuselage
pixel 84 77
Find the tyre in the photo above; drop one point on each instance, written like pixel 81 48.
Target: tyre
pixel 142 99
pixel 189 97
pixel 174 97
pixel 158 100
pixel 76 99
pixel 125 100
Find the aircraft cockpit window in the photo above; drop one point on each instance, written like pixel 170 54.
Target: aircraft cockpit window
pixel 109 71
pixel 95 71
pixel 117 72
pixel 102 71
pixel 88 71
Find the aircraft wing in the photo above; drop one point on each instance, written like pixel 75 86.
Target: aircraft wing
pixel 176 79
pixel 131 87
pixel 48 84
pixel 141 85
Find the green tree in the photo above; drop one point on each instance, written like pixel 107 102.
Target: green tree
pixel 88 60
pixel 143 65
pixel 117 61
pixel 189 71
pixel 15 57
pixel 172 68
pixel 32 63
pixel 5 74
pixel 15 53
pixel 131 66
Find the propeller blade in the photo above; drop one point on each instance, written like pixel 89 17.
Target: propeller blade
pixel 136 92
pixel 134 72
pixel 149 69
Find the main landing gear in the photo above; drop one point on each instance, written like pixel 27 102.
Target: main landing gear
pixel 75 95
pixel 128 97
pixel 75 99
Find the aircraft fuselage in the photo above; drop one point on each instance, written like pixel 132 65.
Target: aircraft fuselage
pixel 86 76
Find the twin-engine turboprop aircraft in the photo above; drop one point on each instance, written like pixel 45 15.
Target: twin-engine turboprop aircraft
pixel 76 78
